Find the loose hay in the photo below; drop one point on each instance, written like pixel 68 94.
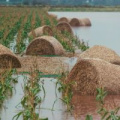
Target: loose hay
pixel 45 45
pixel 8 59
pixel 74 22
pixel 44 30
pixel 63 19
pixel 101 52
pixel 86 21
pixel 64 27
pixel 90 74
pixel 47 65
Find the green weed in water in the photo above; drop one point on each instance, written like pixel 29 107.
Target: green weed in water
pixel 31 99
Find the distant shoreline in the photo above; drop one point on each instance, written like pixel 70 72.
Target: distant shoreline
pixel 85 8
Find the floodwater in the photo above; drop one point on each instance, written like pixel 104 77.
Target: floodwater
pixel 83 105
pixel 105 29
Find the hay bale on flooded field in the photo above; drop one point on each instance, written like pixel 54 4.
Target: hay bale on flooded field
pixel 64 27
pixel 52 15
pixel 101 52
pixel 44 30
pixel 63 19
pixel 90 74
pixel 74 22
pixel 8 59
pixel 86 22
pixel 45 45
pixel 82 23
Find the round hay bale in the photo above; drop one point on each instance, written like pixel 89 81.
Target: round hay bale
pixel 64 26
pixel 53 15
pixel 101 52
pixel 90 74
pixel 45 45
pixel 87 21
pixel 44 30
pixel 63 19
pixel 74 22
pixel 8 59
pixel 82 23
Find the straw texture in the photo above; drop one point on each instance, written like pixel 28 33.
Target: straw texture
pixel 64 27
pixel 90 74
pixel 44 30
pixel 45 45
pixel 74 22
pixel 101 52
pixel 63 19
pixel 8 59
pixel 86 22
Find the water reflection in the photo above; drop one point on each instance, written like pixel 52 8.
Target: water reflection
pixel 83 105
pixel 104 30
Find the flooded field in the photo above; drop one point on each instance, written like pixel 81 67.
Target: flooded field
pixel 54 64
pixel 104 30
pixel 83 105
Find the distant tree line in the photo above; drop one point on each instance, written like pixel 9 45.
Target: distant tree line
pixel 65 2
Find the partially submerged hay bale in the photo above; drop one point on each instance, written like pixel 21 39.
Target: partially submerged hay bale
pixel 101 52
pixel 8 59
pixel 86 21
pixel 45 45
pixel 74 22
pixel 63 19
pixel 64 27
pixel 53 15
pixel 82 22
pixel 90 74
pixel 44 30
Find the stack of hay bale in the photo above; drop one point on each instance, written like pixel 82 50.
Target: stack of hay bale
pixel 97 67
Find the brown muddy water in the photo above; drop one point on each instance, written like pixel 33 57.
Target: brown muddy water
pixel 83 105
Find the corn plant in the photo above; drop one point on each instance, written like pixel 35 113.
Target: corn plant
pixel 102 111
pixel 6 84
pixel 31 99
pixel 67 93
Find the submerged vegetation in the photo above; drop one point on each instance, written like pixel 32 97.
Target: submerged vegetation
pixel 6 84
pixel 16 23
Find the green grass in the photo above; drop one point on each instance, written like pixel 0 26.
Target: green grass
pixel 86 9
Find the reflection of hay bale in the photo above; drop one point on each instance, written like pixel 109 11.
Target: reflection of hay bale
pixel 86 21
pixel 74 22
pixel 44 30
pixel 45 45
pixel 101 52
pixel 53 15
pixel 8 59
pixel 90 74
pixel 63 19
pixel 64 26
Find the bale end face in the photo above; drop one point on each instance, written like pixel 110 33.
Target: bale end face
pixel 47 31
pixel 84 74
pixel 74 22
pixel 9 61
pixel 45 45
pixel 44 30
pixel 64 27
pixel 63 19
